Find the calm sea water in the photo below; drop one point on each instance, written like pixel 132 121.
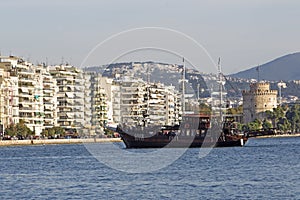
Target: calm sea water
pixel 263 169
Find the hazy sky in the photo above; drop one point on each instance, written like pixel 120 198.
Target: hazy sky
pixel 244 33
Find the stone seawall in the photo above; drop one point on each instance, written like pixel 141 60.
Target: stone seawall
pixel 56 141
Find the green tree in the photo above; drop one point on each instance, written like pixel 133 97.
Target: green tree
pixel 11 130
pixel 45 132
pixel 276 114
pixel 54 131
pixel 59 131
pixel 237 110
pixel 19 129
pixel 266 125
pixel 271 116
pixel 293 116
pixel 253 126
pixel 240 126
pixel 284 125
pixel 279 112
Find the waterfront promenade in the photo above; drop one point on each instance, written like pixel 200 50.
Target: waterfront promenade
pixel 57 141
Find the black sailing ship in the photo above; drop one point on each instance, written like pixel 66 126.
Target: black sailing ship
pixel 195 130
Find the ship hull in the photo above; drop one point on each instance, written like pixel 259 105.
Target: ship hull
pixel 161 141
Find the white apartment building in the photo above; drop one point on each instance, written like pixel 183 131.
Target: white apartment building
pixel 116 104
pixel 133 106
pixel 137 103
pixel 105 87
pixel 157 104
pixel 9 83
pixel 50 90
pixel 100 109
pixel 95 103
pixel 173 106
pixel 63 95
pixel 164 105
pixel 27 95
pixel 70 97
pixel 89 80
pixel 6 97
pixel 79 96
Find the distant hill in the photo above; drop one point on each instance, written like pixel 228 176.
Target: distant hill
pixel 168 74
pixel 283 68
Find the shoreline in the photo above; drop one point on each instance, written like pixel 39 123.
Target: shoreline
pixel 4 143
pixel 57 141
pixel 279 136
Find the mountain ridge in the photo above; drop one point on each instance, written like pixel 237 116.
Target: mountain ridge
pixel 283 68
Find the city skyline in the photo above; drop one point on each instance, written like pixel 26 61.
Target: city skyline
pixel 244 34
pixel 81 102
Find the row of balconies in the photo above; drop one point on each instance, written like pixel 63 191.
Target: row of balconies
pixel 64 109
pixel 32 119
pixel 65 82
pixel 60 77
pixel 28 109
pixel 99 99
pixel 67 117
pixel 49 99
pixel 69 105
pixel 50 110
pixel 65 73
pixel 65 123
pixel 49 92
pixel 48 114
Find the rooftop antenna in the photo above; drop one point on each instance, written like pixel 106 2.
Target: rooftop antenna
pixel 148 73
pixel 257 69
pixel 62 60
